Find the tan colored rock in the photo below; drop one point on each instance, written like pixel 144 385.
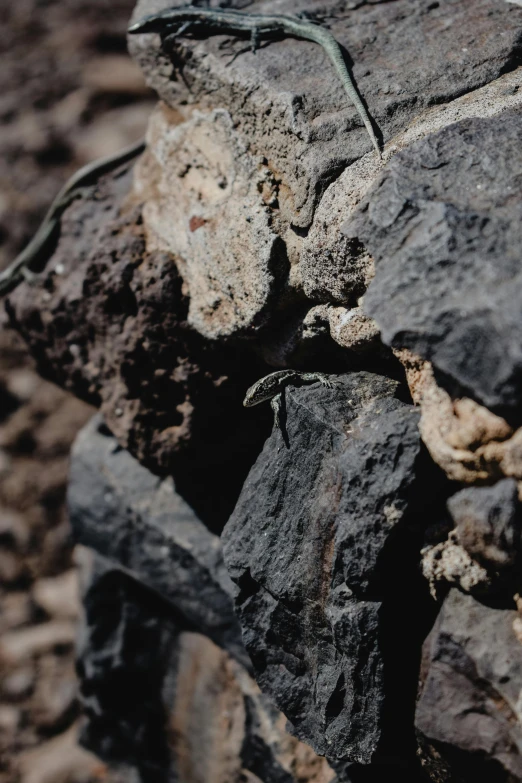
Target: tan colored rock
pixel 16 646
pixel 58 596
pixel 61 760
pixel 207 203
pixel 208 721
pixel 469 442
pixel 352 328
pixel 114 73
pixel 449 563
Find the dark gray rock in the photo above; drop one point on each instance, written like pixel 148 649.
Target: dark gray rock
pixel 138 521
pixel 469 706
pixel 444 224
pixel 112 329
pixel 170 704
pixel 322 547
pixel 125 652
pixel 288 103
pixel 488 523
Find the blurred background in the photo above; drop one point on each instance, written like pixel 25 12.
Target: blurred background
pixel 68 94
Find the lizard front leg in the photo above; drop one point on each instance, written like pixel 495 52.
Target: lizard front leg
pixel 277 405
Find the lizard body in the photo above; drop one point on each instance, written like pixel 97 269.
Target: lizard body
pixel 272 388
pixel 182 18
pixel 87 175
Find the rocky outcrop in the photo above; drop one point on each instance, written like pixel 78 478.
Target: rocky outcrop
pixel 258 232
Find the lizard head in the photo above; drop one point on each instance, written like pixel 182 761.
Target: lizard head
pixel 256 394
pixel 267 387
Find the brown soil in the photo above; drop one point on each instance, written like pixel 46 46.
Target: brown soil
pixel 68 94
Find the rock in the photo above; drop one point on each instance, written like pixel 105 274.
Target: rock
pixel 322 549
pixel 272 138
pixel 14 531
pixel 227 295
pixel 54 705
pixel 12 568
pixel 488 523
pixel 469 442
pixel 301 121
pixel 444 226
pixel 60 760
pixel 469 710
pixel 283 130
pixel 481 553
pixel 170 397
pixel 58 596
pixel 448 563
pixel 169 702
pixel 19 684
pixel 16 610
pixel 127 514
pixel 9 719
pixel 25 643
pixel 114 73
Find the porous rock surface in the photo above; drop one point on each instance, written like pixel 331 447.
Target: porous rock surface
pixel 259 231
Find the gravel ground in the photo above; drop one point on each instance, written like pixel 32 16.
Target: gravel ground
pixel 68 94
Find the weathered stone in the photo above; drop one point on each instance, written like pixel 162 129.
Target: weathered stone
pixel 301 121
pixel 333 266
pixel 444 224
pixel 217 197
pixel 173 399
pixel 488 523
pixel 127 514
pixel 469 706
pixel 448 563
pixel 321 546
pixel 481 553
pixel 469 442
pixel 242 152
pixel 170 703
pixel 123 659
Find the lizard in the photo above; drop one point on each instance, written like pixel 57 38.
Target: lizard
pixel 272 387
pixel 75 186
pixel 181 19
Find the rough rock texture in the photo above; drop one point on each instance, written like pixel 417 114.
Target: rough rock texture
pixel 489 524
pixel 100 336
pixel 301 122
pixel 469 705
pixel 444 224
pixel 290 133
pixel 481 554
pixel 179 281
pixel 318 593
pixel 127 514
pixel 228 157
pixel 159 696
pixel 449 564
pixel 469 442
